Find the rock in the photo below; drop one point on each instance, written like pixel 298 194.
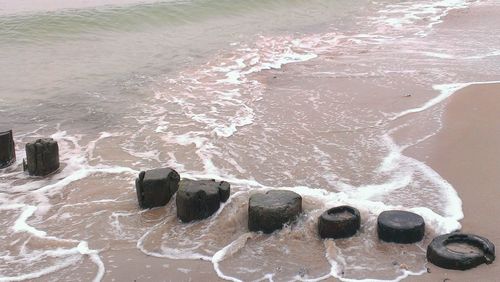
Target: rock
pixel 400 227
pixel 155 187
pixel 269 211
pixel 199 199
pixel 440 255
pixel 7 149
pixel 339 222
pixel 42 157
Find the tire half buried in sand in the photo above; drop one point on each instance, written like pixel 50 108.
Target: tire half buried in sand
pixel 440 253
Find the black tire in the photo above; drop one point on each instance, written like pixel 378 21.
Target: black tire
pixel 439 255
pixel 332 225
pixel 400 227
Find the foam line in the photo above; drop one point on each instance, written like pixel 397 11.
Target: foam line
pixel 227 251
pixel 483 56
pixel 66 263
pixel 454 203
pixel 453 211
pixel 440 224
pixel 168 253
pixel 267 276
pixel 445 90
pixel 335 269
pixel 82 248
pixel 21 226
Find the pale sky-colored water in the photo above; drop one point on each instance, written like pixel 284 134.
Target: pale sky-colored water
pixel 13 6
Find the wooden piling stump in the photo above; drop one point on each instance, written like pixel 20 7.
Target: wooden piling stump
pixel 7 149
pixel 42 157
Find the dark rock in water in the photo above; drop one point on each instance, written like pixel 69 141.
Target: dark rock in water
pixel 199 199
pixel 42 157
pixel 7 149
pixel 400 227
pixel 339 222
pixel 270 211
pixel 155 187
pixel 439 253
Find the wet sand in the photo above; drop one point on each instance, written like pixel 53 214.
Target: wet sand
pixel 466 152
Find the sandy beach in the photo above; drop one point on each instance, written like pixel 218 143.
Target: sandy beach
pixel 466 152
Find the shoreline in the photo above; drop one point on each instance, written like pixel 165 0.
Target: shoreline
pixel 465 152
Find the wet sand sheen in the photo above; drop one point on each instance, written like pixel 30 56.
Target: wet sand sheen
pixel 465 152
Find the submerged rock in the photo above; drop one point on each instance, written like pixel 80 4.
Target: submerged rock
pixel 7 149
pixel 199 199
pixel 269 211
pixel 42 157
pixel 156 187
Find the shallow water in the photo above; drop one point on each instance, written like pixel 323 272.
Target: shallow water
pixel 301 95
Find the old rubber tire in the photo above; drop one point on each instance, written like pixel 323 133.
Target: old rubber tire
pixel 334 224
pixel 439 255
pixel 400 227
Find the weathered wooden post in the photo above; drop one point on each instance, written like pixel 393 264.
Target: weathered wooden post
pixel 42 157
pixel 7 149
pixel 155 187
pixel 269 211
pixel 199 199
